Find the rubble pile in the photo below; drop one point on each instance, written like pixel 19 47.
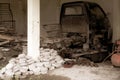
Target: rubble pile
pixel 24 65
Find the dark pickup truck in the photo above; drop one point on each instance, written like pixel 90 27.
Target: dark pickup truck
pixel 88 20
pixel 84 29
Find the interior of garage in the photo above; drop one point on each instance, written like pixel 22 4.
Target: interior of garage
pixel 54 19
pixel 59 56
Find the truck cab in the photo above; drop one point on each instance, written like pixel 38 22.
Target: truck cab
pixel 89 20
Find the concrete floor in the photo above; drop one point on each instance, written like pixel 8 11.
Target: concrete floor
pixel 105 71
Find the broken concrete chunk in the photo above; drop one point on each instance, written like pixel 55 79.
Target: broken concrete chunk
pixel 10 66
pixel 21 56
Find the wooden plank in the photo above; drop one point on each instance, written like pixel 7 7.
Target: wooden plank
pixel 6 37
pixel 3 43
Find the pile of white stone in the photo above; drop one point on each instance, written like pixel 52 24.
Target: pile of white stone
pixel 24 65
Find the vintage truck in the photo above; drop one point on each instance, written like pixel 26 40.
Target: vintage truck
pixel 88 29
pixel 86 18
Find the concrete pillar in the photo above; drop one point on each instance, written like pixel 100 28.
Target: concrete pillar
pixel 33 28
pixel 116 20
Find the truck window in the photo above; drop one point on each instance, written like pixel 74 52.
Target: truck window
pixel 73 10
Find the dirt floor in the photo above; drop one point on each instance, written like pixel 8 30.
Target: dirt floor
pixel 45 77
pixel 40 77
pixel 105 71
pixel 6 54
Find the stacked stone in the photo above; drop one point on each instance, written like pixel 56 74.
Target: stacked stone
pixel 24 65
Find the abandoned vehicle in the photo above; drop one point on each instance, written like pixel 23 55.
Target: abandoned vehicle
pixel 84 30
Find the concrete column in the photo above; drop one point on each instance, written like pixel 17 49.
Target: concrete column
pixel 116 20
pixel 33 28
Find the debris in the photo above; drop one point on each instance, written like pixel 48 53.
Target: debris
pixel 25 65
pixel 18 47
pixel 5 42
pixel 5 49
pixel 85 62
pixel 6 39
pixel 2 57
pixel 68 64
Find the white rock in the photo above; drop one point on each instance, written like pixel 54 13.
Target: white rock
pixel 51 68
pixel 5 49
pixel 17 73
pixel 41 49
pixel 47 64
pixel 47 57
pixel 58 65
pixel 52 51
pixel 43 72
pixel 36 71
pixel 23 64
pixel 46 54
pixel 16 68
pixel 22 60
pixel 21 56
pixel 43 59
pixel 37 61
pixel 24 69
pixel 46 50
pixel 50 57
pixel 31 67
pixel 28 57
pixel 43 69
pixel 53 61
pixel 31 72
pixel 9 73
pixel 59 62
pixel 12 60
pixel 27 73
pixel 57 58
pixel 30 61
pixel 3 70
pixel 10 66
pixel 39 64
pixel 2 76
